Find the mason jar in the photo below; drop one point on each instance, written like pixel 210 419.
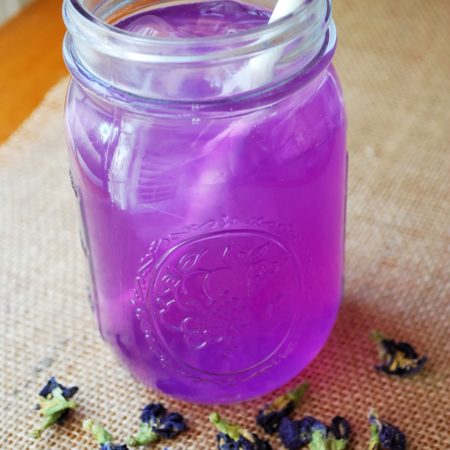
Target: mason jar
pixel 207 153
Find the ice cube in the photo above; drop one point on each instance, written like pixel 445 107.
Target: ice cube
pixel 150 25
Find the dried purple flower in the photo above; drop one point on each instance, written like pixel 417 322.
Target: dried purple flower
pixel 384 436
pixel 398 358
pixel 153 412
pixel 340 428
pixel 296 434
pixel 233 437
pixel 269 418
pixel 313 434
pixel 330 438
pixel 170 426
pixel 225 442
pixel 54 404
pixel 109 446
pixel 53 384
pixel 156 424
pixel 102 436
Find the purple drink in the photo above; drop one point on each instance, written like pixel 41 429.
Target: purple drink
pixel 213 222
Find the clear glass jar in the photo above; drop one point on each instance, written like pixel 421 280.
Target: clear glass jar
pixel 211 179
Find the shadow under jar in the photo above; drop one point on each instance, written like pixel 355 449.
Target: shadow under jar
pixel 207 152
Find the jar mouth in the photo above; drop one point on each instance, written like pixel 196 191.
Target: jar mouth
pixel 283 22
pixel 310 19
pixel 254 65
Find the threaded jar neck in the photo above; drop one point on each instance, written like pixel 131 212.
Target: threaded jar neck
pixel 148 67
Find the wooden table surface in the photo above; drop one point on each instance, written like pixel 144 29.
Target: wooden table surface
pixel 31 61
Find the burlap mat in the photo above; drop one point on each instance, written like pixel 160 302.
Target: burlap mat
pixel 393 61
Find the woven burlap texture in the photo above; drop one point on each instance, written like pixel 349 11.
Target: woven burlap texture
pixel 394 65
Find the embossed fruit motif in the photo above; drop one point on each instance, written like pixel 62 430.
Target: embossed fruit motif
pixel 213 292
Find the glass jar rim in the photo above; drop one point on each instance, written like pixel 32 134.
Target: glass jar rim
pixel 83 24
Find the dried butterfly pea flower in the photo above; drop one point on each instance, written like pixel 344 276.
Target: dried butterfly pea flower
pixel 153 412
pixel 384 436
pixel 269 418
pixel 234 437
pixel 109 446
pixel 398 358
pixel 340 428
pixel 102 436
pixel 156 424
pixel 330 438
pixel 53 384
pixel 54 404
pixel 145 436
pixel 224 442
pixel 313 434
pixel 170 426
pixel 296 434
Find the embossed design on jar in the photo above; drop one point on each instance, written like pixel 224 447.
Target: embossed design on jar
pixel 222 303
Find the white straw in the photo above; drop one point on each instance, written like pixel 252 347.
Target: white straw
pixel 257 72
pixel 283 8
pixel 260 69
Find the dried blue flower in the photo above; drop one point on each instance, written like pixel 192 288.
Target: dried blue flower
pixel 153 412
pixel 330 438
pixel 269 418
pixel 102 436
pixel 313 434
pixel 224 442
pixel 109 446
pixel 319 432
pixel 54 404
pixel 340 428
pixel 233 437
pixel 156 424
pixel 170 426
pixel 145 436
pixel 398 358
pixel 296 434
pixel 384 436
pixel 53 384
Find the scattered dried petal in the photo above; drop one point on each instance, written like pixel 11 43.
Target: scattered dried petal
pixel 330 438
pixel 109 446
pixel 340 428
pixel 313 434
pixel 54 404
pixel 384 436
pixel 145 436
pixel 398 358
pixel 225 442
pixel 102 436
pixel 296 434
pixel 53 384
pixel 171 426
pixel 319 432
pixel 157 424
pixel 269 418
pixel 233 437
pixel 153 412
